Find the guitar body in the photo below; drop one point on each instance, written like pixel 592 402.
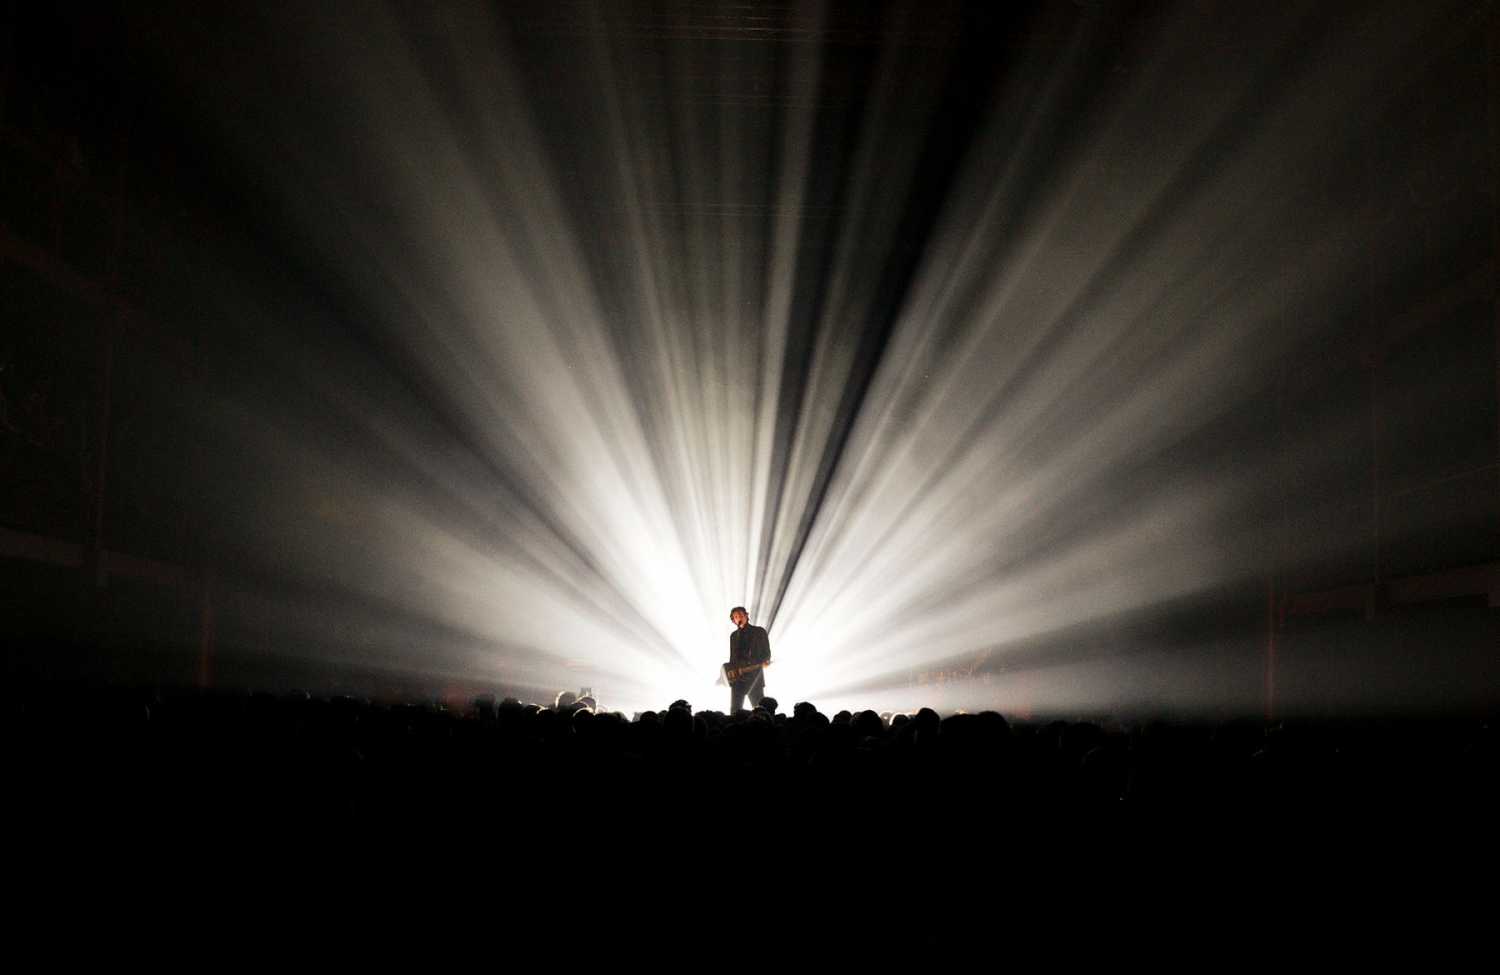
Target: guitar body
pixel 732 671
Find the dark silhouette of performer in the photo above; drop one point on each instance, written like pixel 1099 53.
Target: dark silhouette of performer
pixel 748 644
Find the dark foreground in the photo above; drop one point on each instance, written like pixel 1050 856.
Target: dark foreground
pixel 847 832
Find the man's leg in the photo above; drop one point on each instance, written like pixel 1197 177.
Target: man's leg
pixel 758 689
pixel 736 695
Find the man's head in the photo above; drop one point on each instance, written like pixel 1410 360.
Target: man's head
pixel 739 617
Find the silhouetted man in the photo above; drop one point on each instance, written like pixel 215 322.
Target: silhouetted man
pixel 747 645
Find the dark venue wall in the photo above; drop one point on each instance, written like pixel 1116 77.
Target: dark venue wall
pixel 217 418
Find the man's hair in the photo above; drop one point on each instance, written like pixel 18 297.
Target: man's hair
pixel 739 609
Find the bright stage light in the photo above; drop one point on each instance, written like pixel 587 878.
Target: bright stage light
pixel 624 384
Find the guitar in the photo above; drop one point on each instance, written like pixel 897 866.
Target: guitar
pixel 732 671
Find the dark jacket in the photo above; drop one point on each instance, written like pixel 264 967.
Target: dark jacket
pixel 749 646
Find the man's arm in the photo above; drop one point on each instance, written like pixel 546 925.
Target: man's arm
pixel 762 645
